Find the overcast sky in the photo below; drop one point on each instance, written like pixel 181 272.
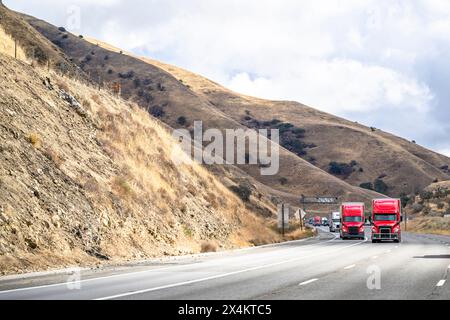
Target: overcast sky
pixel 382 63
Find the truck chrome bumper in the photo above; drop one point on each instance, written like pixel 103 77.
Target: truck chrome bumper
pixel 385 236
pixel 358 236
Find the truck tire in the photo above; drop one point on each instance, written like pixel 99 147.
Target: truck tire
pixel 374 241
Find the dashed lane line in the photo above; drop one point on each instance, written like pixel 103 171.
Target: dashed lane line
pixel 350 267
pixel 440 283
pixel 308 282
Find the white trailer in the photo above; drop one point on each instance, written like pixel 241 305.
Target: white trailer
pixel 335 221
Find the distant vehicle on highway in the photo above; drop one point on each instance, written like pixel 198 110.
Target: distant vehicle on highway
pixel 317 221
pixel 335 221
pixel 325 221
pixel 386 219
pixel 352 221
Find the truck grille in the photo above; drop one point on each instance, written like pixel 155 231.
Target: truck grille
pixel 353 230
pixel 385 230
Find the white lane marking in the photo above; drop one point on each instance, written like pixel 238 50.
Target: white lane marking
pixel 440 283
pixel 141 272
pixel 86 280
pixel 308 282
pixel 131 293
pixel 375 257
pixel 350 267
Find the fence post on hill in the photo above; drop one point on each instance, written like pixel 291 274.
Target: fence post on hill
pixel 15 49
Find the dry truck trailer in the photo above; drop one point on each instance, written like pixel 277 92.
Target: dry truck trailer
pixel 352 221
pixel 386 219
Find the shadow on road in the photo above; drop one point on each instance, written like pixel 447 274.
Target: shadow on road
pixel 442 256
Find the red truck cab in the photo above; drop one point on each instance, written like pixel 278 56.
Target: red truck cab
pixel 352 221
pixel 386 219
pixel 317 221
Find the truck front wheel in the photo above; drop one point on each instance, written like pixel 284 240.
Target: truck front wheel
pixel 374 241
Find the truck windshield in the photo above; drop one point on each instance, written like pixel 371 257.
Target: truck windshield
pixel 385 217
pixel 353 219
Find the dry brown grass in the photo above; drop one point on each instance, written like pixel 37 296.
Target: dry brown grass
pixel 430 225
pixel 35 140
pixel 62 84
pixel 96 98
pixel 51 154
pixel 208 246
pixel 122 187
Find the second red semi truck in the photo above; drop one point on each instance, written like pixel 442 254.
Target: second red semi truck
pixel 386 220
pixel 352 221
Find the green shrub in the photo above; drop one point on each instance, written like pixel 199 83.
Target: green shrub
pixel 367 185
pixel 182 121
pixel 128 75
pixel 426 195
pixel 157 111
pixel 339 168
pixel 405 199
pixel 380 186
pixel 242 192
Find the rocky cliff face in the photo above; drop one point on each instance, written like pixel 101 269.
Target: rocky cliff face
pixel 87 178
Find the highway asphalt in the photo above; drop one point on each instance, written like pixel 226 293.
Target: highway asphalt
pixel 324 267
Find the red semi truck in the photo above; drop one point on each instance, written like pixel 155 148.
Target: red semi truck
pixel 317 221
pixel 386 219
pixel 352 221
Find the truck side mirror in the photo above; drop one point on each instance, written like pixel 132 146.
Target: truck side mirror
pixel 401 218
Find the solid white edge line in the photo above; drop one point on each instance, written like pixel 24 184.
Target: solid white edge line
pixel 155 270
pixel 350 267
pixel 308 282
pixel 440 283
pixel 131 293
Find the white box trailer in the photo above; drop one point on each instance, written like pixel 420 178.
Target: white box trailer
pixel 335 221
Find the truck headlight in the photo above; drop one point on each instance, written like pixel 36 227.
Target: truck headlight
pixel 374 230
pixel 396 230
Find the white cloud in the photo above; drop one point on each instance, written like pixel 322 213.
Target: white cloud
pixel 339 86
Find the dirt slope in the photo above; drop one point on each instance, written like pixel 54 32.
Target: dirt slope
pixel 429 211
pixel 94 182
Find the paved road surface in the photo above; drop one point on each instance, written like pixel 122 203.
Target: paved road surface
pixel 321 268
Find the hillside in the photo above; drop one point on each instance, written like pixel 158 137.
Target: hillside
pixel 166 97
pixel 88 178
pixel 404 166
pixel 353 153
pixel 430 209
